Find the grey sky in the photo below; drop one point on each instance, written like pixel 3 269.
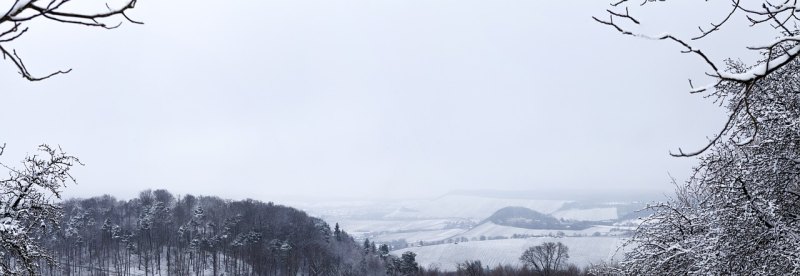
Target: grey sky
pixel 357 98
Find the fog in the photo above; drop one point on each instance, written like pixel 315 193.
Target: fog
pixel 359 99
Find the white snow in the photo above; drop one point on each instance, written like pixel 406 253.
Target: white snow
pixel 8 226
pixel 377 226
pixel 762 68
pixel 137 270
pixel 16 7
pixel 417 236
pixel 582 251
pixel 490 229
pixel 594 214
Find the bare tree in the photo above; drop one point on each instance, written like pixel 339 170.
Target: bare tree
pixel 27 209
pixel 547 258
pixel 739 212
pixel 470 268
pixel 13 24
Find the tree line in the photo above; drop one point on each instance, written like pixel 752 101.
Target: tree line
pixel 158 233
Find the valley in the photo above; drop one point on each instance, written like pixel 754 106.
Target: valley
pixel 453 228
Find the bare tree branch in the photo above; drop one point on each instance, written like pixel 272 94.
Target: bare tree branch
pixel 24 11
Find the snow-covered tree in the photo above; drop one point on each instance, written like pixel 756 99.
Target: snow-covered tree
pixel 405 265
pixel 14 19
pixel 383 251
pixel 337 232
pixel 366 246
pixel 27 210
pixel 739 214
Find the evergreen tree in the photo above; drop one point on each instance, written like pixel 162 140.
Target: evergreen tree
pixel 366 246
pixel 408 264
pixel 383 251
pixel 337 233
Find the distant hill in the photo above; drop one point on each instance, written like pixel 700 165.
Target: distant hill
pixel 526 218
pixel 471 206
pixel 467 207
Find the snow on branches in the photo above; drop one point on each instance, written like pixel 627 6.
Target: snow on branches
pixel 13 24
pixel 27 209
pixel 739 213
pixel 779 15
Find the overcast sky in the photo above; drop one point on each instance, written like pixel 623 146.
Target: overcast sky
pixel 359 98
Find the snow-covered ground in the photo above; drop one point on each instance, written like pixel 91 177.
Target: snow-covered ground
pixel 458 217
pixel 417 236
pixel 452 216
pixel 88 270
pixel 489 229
pixel 407 225
pixel 485 230
pixel 582 251
pixel 593 214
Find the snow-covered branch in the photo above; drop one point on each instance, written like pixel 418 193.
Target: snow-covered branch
pixel 27 209
pixel 13 21
pixel 780 17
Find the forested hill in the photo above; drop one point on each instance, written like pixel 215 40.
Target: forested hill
pixel 526 218
pixel 158 233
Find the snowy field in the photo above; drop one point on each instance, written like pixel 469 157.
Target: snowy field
pixel 378 226
pixel 593 214
pixel 453 217
pixel 417 236
pixel 582 251
pixel 490 229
